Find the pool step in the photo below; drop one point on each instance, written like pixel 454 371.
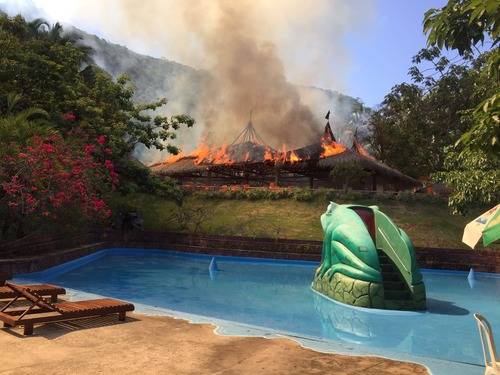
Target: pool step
pixel 395 289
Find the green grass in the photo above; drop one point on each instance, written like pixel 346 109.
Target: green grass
pixel 428 223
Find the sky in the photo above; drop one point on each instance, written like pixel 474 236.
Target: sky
pixel 360 48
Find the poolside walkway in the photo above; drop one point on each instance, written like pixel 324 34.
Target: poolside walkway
pixel 163 345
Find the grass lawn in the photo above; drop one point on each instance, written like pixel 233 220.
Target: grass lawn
pixel 429 224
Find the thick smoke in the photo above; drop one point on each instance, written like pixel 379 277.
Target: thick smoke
pixel 253 49
pixel 251 76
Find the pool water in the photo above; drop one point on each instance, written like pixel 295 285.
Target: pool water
pixel 277 296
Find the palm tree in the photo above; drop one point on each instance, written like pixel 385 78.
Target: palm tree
pixel 37 27
pixel 22 126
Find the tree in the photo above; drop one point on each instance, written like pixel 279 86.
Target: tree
pixel 462 25
pixel 477 177
pixel 417 122
pixel 51 71
pixel 22 126
pixel 68 130
pixel 347 171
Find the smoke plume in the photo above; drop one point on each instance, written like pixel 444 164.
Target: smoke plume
pixel 253 50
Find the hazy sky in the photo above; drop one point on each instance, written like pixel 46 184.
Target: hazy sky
pixel 361 48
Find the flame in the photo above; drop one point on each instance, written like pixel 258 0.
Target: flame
pixel 201 153
pixel 293 157
pixel 360 149
pixel 173 158
pixel 331 148
pixel 213 155
pixel 268 155
pixel 221 157
pixel 281 156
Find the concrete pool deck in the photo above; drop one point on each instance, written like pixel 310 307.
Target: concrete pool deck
pixel 164 345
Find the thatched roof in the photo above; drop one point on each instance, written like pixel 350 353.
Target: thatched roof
pixel 251 155
pixel 181 166
pixel 247 151
pixel 368 163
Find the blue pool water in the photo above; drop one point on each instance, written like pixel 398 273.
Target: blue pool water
pixel 270 297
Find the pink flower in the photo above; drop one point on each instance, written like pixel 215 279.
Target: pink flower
pixel 89 149
pixel 101 140
pixel 68 116
pixel 109 165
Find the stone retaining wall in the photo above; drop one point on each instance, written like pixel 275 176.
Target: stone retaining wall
pixel 36 255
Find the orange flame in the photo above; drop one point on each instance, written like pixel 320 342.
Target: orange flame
pixel 331 148
pixel 285 156
pixel 201 153
pixel 173 158
pixel 293 157
pixel 360 149
pixel 214 155
pixel 268 155
pixel 211 155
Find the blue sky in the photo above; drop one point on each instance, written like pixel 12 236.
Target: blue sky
pixel 383 55
pixel 380 50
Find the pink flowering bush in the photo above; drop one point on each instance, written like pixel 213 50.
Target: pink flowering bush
pixel 55 179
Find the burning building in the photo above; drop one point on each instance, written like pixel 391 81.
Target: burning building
pixel 249 161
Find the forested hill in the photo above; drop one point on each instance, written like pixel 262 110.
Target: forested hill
pixel 154 77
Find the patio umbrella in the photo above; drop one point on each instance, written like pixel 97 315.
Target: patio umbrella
pixel 486 225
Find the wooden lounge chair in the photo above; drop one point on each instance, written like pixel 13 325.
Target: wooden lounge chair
pixel 41 310
pixel 48 290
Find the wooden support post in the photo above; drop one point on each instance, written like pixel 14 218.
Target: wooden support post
pixel 277 176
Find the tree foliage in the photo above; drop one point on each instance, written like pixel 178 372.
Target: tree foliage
pixel 476 174
pixel 463 25
pixel 54 100
pixel 416 121
pixel 346 172
pixel 50 71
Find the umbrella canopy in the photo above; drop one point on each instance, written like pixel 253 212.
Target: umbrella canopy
pixel 486 225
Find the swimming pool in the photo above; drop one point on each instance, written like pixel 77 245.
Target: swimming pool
pixel 273 297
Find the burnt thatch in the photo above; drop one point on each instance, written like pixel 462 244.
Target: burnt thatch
pixel 248 152
pixel 182 166
pixel 236 155
pixel 312 152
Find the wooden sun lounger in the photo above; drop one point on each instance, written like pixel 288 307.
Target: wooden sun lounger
pixel 48 290
pixel 42 310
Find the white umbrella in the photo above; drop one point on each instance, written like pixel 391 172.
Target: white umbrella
pixel 486 225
